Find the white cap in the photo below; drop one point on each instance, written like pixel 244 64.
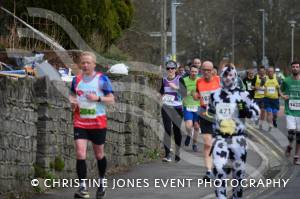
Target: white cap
pixel 277 70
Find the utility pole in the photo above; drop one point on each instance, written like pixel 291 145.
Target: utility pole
pixel 233 40
pixel 293 24
pixel 174 5
pixel 163 32
pixel 263 35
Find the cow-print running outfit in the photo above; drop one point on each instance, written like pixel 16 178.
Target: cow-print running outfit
pixel 229 106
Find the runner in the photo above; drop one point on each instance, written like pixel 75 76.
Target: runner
pixel 181 71
pixel 171 111
pixel 90 91
pixel 197 62
pixel 205 86
pixel 230 106
pixel 240 81
pixel 215 71
pixel 249 82
pixel 271 100
pixel 280 77
pixel 190 106
pixel 291 94
pixel 259 93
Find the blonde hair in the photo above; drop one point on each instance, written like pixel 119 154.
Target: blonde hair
pixel 89 53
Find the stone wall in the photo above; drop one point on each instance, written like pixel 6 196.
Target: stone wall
pixel 36 134
pixel 18 132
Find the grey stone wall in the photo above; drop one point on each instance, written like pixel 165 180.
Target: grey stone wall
pixel 36 131
pixel 18 132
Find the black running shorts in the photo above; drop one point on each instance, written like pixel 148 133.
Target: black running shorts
pixel 96 136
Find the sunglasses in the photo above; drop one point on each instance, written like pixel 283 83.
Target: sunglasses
pixel 170 68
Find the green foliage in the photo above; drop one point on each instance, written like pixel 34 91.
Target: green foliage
pixel 37 189
pixel 153 154
pixel 107 18
pixel 39 172
pixel 115 53
pixel 58 164
pixel 2 47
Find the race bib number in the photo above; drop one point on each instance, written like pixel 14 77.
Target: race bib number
pixel 225 111
pixel 87 109
pixel 192 108
pixel 261 91
pixel 271 90
pixel 294 105
pixel 205 97
pixel 168 98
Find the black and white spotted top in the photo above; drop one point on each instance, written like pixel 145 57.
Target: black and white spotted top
pixel 229 108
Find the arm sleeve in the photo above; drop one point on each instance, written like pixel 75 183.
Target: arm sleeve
pixel 73 85
pixel 245 82
pixel 251 105
pixel 182 88
pixel 211 107
pixel 253 81
pixel 241 84
pixel 282 88
pixel 105 85
pixel 162 90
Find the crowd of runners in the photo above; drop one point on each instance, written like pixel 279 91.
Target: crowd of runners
pixel 211 102
pixel 216 104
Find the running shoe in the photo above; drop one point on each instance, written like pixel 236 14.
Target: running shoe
pixel 208 176
pixel 195 148
pixel 100 192
pixel 187 140
pixel 270 129
pixel 168 158
pixel 296 159
pixel 177 158
pixel 275 123
pixel 297 162
pixel 82 193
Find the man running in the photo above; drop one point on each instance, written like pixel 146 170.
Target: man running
pixel 249 82
pixel 171 111
pixel 230 106
pixel 259 93
pixel 205 86
pixel 190 106
pixel 90 92
pixel 291 94
pixel 271 100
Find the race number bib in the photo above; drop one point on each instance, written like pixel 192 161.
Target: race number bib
pixel 205 97
pixel 87 109
pixel 294 105
pixel 271 90
pixel 225 111
pixel 192 108
pixel 261 91
pixel 168 98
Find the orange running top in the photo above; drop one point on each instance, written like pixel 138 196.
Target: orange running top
pixel 205 88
